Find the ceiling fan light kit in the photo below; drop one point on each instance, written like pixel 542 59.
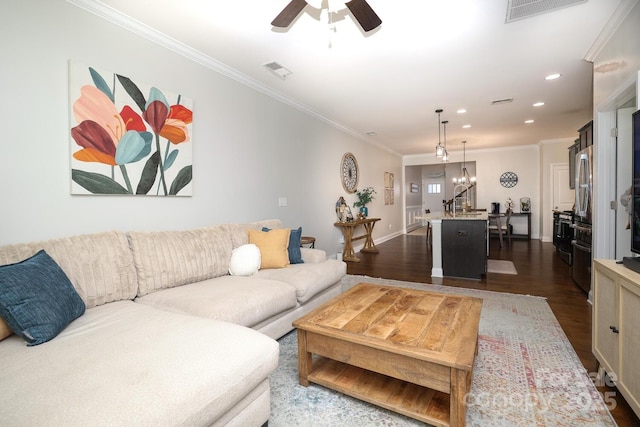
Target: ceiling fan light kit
pixel 360 9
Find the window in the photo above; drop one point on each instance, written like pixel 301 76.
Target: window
pixel 433 188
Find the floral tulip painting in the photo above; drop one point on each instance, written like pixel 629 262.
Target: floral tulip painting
pixel 128 138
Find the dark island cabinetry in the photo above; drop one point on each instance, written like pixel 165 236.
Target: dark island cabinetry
pixel 464 248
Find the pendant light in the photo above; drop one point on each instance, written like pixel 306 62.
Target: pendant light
pixel 445 155
pixel 439 147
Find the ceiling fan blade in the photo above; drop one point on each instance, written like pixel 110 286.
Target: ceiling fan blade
pixel 363 13
pixel 289 13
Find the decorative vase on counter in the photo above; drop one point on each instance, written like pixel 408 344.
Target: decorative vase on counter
pixel 364 211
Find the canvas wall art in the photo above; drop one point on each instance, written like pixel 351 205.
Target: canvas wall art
pixel 128 138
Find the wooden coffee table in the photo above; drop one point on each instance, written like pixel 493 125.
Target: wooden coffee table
pixel 406 350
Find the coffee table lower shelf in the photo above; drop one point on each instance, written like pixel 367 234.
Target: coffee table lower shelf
pixel 409 399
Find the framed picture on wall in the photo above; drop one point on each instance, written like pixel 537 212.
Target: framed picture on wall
pixel 388 188
pixel 415 188
pixel 388 180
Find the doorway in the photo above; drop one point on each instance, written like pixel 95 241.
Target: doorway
pixel 609 222
pixel 624 151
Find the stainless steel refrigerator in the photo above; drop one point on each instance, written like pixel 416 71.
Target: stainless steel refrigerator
pixel 581 268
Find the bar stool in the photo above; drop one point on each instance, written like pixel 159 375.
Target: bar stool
pixel 429 230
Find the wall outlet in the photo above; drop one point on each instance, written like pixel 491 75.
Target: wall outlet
pixel 282 202
pixel 341 240
pixel 390 226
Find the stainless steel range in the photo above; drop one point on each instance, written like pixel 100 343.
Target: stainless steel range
pixel 563 235
pixel 581 267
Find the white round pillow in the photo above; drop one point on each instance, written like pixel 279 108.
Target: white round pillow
pixel 245 260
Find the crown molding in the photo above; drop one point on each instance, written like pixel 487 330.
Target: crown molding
pixel 609 29
pixel 133 25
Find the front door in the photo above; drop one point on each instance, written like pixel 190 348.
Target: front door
pixel 432 194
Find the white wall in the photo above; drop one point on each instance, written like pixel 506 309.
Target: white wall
pixel 248 148
pixel 616 67
pixel 490 164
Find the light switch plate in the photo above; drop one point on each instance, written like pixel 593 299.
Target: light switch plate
pixel 282 202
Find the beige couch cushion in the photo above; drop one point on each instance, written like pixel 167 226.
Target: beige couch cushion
pixel 99 265
pixel 127 364
pixel 241 300
pixel 165 259
pixel 309 279
pixel 238 232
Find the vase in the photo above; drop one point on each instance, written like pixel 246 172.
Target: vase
pixel 364 211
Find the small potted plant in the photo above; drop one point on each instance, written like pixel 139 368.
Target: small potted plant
pixel 365 196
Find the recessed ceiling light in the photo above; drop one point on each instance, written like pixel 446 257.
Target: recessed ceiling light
pixel 553 76
pixel 529 121
pixel 466 126
pixel 538 104
pixel 461 111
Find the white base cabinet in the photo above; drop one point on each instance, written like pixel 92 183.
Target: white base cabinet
pixel 616 326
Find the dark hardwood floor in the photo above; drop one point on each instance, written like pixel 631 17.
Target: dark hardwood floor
pixel 540 272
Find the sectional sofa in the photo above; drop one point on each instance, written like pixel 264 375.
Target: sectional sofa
pixel 159 334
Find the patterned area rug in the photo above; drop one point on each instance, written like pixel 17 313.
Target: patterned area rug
pixel 526 374
pixel 501 266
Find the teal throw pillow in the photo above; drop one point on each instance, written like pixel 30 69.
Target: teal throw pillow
pixel 37 299
pixel 295 256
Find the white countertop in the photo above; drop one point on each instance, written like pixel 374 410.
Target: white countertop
pixel 473 215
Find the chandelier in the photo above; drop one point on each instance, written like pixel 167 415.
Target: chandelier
pixel 465 178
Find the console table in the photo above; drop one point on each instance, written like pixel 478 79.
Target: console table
pixel 348 229
pixel 528 216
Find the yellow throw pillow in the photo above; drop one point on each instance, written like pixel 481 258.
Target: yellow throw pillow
pixel 273 247
pixel 4 330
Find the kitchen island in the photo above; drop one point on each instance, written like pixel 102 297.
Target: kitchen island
pixel 459 244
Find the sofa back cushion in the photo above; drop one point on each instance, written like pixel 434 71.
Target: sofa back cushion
pixel 99 266
pixel 165 259
pixel 239 232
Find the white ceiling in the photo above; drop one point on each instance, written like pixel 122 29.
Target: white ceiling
pixel 426 55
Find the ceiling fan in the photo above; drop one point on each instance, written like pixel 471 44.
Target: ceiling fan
pixel 360 9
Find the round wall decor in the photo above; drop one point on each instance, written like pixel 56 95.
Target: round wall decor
pixel 349 172
pixel 509 179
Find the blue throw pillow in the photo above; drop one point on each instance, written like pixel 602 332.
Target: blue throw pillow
pixel 295 256
pixel 37 300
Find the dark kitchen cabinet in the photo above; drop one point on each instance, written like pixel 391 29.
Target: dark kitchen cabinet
pixel 584 140
pixel 573 150
pixel 586 135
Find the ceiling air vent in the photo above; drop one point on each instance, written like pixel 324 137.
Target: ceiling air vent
pixel 521 9
pixel 277 69
pixel 502 101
